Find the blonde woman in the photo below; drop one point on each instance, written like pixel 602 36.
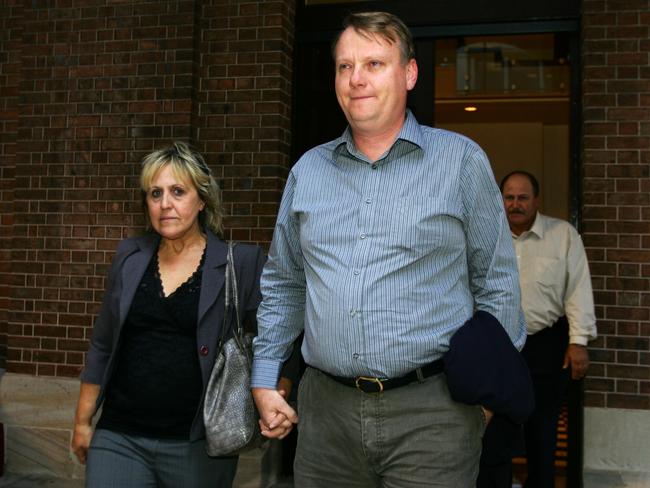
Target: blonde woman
pixel 154 341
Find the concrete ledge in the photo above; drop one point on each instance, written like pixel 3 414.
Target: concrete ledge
pixel 38 401
pixel 38 417
pixel 615 479
pixel 616 440
pixel 38 413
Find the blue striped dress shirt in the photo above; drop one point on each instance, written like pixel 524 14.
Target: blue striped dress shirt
pixel 381 262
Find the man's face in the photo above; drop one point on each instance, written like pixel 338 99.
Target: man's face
pixel 372 81
pixel 520 203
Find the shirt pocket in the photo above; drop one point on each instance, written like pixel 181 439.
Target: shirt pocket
pixel 548 271
pixel 418 225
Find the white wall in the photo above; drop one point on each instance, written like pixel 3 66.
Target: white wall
pixel 541 149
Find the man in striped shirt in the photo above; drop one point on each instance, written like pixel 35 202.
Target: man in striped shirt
pixel 388 239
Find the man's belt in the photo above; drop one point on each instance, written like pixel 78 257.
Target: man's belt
pixel 369 384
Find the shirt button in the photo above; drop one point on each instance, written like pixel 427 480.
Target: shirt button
pixel 368 200
pixel 204 350
pixel 353 312
pixel 355 356
pixel 362 236
pixel 356 272
pixel 373 166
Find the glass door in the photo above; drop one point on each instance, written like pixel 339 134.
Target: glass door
pixel 511 94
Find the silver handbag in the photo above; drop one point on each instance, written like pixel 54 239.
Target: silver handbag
pixel 229 412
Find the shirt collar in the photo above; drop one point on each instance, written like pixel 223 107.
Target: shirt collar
pixel 410 133
pixel 537 228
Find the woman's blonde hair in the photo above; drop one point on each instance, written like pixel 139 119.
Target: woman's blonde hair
pixel 187 165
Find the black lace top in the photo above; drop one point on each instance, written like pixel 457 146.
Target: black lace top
pixel 156 385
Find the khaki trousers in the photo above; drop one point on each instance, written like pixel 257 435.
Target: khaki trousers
pixel 411 436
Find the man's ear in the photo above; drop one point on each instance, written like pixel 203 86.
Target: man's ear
pixel 411 74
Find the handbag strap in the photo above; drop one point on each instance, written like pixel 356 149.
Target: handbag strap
pixel 231 295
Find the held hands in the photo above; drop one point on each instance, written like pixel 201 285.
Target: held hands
pixel 276 416
pixel 577 357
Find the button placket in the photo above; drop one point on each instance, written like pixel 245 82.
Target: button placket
pixel 367 220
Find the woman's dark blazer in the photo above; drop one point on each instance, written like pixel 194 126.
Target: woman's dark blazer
pixel 126 271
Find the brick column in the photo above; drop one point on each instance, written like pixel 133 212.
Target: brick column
pixel 616 199
pixel 10 43
pixel 241 117
pixel 101 84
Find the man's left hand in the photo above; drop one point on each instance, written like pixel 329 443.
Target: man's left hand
pixel 577 357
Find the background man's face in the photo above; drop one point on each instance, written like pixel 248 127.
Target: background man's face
pixel 520 203
pixel 372 81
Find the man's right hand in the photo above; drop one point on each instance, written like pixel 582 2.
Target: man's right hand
pixel 276 416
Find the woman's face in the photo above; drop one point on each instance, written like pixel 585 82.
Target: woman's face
pixel 173 205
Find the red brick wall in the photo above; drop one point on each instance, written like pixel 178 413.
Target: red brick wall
pixel 241 117
pixel 101 83
pixel 616 186
pixel 10 37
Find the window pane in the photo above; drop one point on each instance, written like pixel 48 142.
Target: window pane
pixel 523 65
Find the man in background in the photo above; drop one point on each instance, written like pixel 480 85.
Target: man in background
pixel 558 304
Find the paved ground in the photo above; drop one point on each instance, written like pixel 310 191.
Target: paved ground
pixel 591 480
pixel 27 481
